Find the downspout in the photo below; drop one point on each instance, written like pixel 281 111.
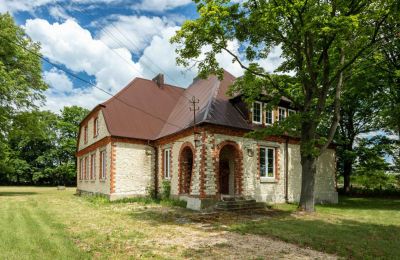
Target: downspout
pixel 287 170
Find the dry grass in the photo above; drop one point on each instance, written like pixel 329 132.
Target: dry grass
pixel 43 223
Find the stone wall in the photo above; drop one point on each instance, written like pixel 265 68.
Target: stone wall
pixel 96 185
pixel 103 131
pixel 133 170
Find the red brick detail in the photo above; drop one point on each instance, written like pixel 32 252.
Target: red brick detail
pixel 181 178
pixel 112 168
pixel 162 164
pixel 170 161
pixel 106 140
pixel 238 162
pixel 203 156
pixel 277 164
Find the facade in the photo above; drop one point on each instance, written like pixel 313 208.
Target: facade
pixel 144 136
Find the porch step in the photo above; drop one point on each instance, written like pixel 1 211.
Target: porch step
pixel 243 204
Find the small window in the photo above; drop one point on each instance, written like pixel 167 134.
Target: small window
pixel 167 161
pixel 96 127
pixel 269 117
pixel 291 112
pixel 86 167
pixel 85 132
pixel 282 113
pixel 80 168
pixel 257 112
pixel 92 166
pixel 103 165
pixel 267 162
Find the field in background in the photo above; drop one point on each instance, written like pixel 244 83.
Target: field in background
pixel 44 223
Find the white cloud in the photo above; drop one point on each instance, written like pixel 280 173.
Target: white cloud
pixel 159 5
pixel 133 32
pixel 58 81
pixel 21 5
pixel 69 44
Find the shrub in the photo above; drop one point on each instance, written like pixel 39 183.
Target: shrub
pixel 166 189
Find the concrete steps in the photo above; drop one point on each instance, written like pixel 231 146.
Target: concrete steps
pixel 236 204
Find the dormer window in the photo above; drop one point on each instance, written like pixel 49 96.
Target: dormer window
pixel 257 112
pixel 282 113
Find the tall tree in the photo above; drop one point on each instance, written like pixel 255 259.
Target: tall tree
pixel 359 112
pixel 21 83
pixel 320 40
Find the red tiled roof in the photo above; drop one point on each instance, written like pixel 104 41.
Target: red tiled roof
pixel 143 110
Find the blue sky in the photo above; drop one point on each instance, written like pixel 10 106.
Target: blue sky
pixel 108 42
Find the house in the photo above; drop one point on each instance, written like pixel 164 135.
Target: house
pixel 144 136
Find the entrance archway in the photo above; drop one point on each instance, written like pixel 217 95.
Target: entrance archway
pixel 186 168
pixel 229 169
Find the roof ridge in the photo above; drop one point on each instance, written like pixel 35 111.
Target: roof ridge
pixel 212 99
pixel 121 91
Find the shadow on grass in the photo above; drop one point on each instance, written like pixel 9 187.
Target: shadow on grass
pixel 16 193
pixel 347 238
pixel 365 203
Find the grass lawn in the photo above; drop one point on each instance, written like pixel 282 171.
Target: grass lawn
pixel 357 228
pixel 43 223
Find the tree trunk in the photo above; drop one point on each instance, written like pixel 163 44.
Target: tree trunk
pixel 308 166
pixel 309 169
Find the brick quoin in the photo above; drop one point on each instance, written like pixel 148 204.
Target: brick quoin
pixel 238 165
pixel 203 156
pixel 277 163
pixel 181 178
pixel 112 168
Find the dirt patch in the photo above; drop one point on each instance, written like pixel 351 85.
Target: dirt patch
pixel 199 241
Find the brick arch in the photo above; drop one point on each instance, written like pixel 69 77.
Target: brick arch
pixel 180 170
pixel 238 165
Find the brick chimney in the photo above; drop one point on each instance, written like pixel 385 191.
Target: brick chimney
pixel 159 79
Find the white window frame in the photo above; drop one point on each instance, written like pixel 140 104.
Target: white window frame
pixel 261 113
pixel 266 177
pixel 272 116
pixel 92 175
pixel 167 163
pixel 279 113
pixel 291 111
pixel 81 162
pixel 103 164
pixel 96 126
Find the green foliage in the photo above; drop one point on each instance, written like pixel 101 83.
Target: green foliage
pixel 371 169
pixel 165 189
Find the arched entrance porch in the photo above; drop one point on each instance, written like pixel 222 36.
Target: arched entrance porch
pixel 186 162
pixel 229 169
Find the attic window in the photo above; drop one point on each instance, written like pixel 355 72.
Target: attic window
pixel 85 134
pixel 96 127
pixel 257 112
pixel 282 113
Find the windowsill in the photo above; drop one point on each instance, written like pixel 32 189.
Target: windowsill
pixel 102 180
pixel 268 180
pixel 257 123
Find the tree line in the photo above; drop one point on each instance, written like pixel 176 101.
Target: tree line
pixel 36 146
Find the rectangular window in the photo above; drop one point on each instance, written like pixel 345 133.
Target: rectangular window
pixel 282 113
pixel 103 165
pixel 86 167
pixel 96 127
pixel 257 112
pixel 80 169
pixel 267 162
pixel 85 134
pixel 167 161
pixel 92 166
pixel 269 120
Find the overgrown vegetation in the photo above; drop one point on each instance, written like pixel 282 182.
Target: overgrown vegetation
pixel 164 201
